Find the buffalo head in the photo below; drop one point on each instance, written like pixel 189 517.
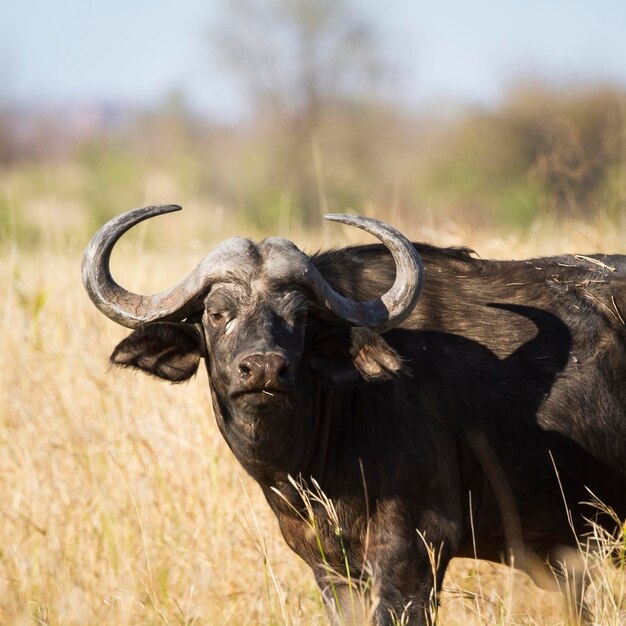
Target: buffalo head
pixel 262 316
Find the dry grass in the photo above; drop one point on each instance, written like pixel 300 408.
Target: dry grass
pixel 121 504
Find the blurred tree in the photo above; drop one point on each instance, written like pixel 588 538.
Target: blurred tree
pixel 298 62
pixel 6 139
pixel 7 142
pixel 544 149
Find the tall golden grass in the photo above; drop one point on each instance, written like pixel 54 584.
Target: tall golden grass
pixel 119 501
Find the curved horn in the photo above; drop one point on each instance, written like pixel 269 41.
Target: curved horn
pixel 283 259
pixel 131 309
pixel 380 314
pixel 386 312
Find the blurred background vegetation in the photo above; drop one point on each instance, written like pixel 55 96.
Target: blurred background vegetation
pixel 119 501
pixel 323 130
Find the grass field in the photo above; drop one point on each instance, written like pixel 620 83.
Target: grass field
pixel 119 501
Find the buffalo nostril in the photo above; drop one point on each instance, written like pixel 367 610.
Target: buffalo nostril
pixel 244 369
pixel 276 366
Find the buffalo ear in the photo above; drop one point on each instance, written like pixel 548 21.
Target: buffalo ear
pixel 167 350
pixel 373 356
pixel 355 355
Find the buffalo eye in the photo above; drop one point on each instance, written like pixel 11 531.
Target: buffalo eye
pixel 216 317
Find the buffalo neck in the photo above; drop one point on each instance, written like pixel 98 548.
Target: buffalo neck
pixel 271 445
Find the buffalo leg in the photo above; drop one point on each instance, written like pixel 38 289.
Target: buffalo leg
pixel 346 605
pixel 414 606
pixel 409 576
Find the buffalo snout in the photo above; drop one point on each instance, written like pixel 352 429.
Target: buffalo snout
pixel 264 370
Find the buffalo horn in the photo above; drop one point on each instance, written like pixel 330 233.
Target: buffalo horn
pixel 390 309
pixel 131 309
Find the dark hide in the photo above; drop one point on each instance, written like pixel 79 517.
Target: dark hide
pixel 504 374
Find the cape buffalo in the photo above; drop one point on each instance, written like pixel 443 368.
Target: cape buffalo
pixel 461 408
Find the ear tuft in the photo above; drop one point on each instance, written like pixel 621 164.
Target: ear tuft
pixel 167 350
pixel 343 356
pixel 373 356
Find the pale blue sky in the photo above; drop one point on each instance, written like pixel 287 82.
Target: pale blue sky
pixel 136 50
